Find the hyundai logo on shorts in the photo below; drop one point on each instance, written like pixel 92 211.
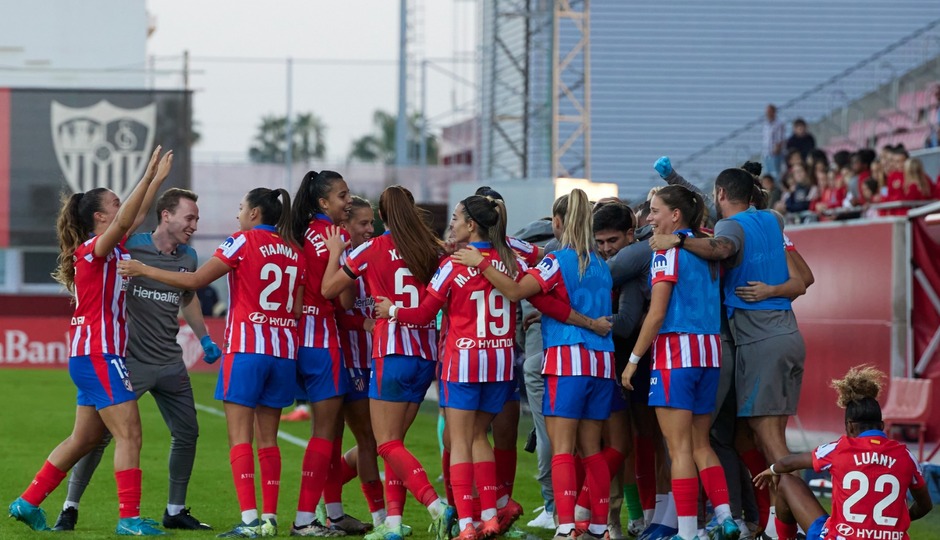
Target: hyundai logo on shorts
pixel 466 343
pixel 845 530
pixel 258 317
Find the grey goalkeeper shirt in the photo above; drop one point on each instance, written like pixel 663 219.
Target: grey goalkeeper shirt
pixel 153 307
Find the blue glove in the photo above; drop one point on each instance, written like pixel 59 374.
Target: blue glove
pixel 211 351
pixel 663 166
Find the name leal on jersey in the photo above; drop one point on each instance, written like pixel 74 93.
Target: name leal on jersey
pixel 316 240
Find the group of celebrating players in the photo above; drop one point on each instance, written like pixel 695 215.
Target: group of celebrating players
pixel 688 362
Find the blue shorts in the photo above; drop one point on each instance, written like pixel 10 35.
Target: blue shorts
pixel 578 397
pixel 358 379
pixel 688 388
pixel 641 382
pixel 256 379
pixel 322 373
pixel 515 395
pixel 818 530
pixel 102 380
pixel 488 397
pixel 400 378
pixel 618 398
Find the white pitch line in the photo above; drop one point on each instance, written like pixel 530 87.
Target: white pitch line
pixel 280 434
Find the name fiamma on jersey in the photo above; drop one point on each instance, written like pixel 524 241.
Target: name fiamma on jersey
pixel 462 279
pixel 270 250
pixel 170 297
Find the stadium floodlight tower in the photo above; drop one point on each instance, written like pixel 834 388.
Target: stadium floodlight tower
pixel 535 91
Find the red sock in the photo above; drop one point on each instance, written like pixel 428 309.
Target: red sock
pixel 409 470
pixel 578 471
pixel 46 480
pixel 338 475
pixel 374 496
pixel 314 470
pixel 394 491
pixel 564 484
pixel 476 508
pixel 461 476
pixel 445 471
pixel 756 463
pixel 597 472
pixel 685 492
pixel 484 474
pixel 270 461
pixel 505 471
pixel 785 531
pixel 243 471
pixel 614 460
pixel 128 489
pixel 646 472
pixel 715 484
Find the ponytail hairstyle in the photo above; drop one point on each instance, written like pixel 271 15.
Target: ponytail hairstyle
pixel 76 222
pixel 490 215
pixel 416 242
pixel 575 213
pixel 274 205
pixel 759 196
pixel 314 186
pixel 858 395
pixel 686 201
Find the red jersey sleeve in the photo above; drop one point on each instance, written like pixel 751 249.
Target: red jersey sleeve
pixel 529 253
pixel 438 291
pixel 823 456
pixel 547 273
pixel 230 251
pixel 787 243
pixel 358 261
pixel 665 266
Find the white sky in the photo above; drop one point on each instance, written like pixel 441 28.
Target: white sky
pixel 231 97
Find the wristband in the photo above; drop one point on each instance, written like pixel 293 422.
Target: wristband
pixel 392 311
pixel 484 264
pixel 634 358
pixel 772 471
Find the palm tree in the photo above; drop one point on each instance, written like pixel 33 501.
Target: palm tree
pixel 270 145
pixel 380 144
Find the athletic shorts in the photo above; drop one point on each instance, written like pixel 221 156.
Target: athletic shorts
pixel 322 373
pixel 688 388
pixel 768 375
pixel 256 379
pixel 400 378
pixel 580 397
pixel 489 397
pixel 358 379
pixel 818 530
pixel 101 379
pixel 618 398
pixel 515 395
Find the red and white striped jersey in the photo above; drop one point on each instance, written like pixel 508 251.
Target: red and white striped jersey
pixel 98 323
pixel 529 253
pixel 672 350
pixel 318 322
pixel 568 360
pixel 481 331
pixel 377 261
pixel 266 272
pixel 787 243
pixel 355 341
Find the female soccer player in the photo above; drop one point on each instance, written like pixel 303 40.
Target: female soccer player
pixel 257 375
pixel 397 265
pixel 322 200
pixel 682 325
pixel 870 474
pixel 577 362
pixel 91 229
pixel 477 368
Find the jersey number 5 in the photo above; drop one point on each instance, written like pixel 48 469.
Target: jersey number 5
pixel 275 274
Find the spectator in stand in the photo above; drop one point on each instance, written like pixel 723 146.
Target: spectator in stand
pixel 933 140
pixel 871 195
pixel 774 139
pixel 803 191
pixel 801 139
pixel 774 194
pixel 916 182
pixel 832 189
pixel 860 163
pixel 794 158
pixel 893 158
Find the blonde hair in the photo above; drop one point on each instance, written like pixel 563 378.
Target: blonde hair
pixel 914 175
pixel 576 215
pixel 859 383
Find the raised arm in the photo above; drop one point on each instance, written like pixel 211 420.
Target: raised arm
pixel 163 171
pixel 212 270
pixel 663 166
pixel 127 213
pixel 336 279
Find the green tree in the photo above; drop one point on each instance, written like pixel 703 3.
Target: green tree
pixel 270 143
pixel 380 144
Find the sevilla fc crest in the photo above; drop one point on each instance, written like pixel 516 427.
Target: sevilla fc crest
pixel 103 145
